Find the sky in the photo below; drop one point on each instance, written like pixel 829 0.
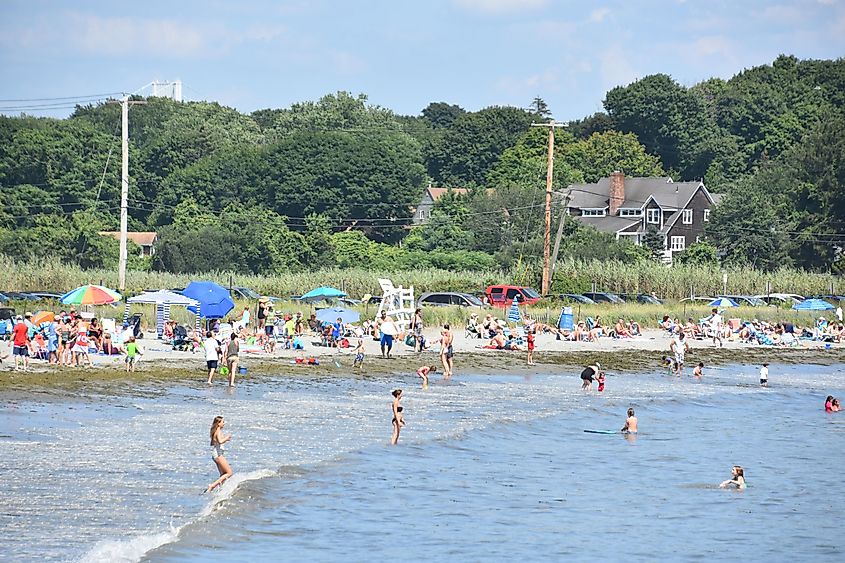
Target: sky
pixel 403 54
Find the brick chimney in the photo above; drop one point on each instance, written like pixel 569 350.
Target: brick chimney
pixel 617 192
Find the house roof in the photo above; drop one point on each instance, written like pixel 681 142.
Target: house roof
pixel 667 194
pixel 437 193
pixel 609 224
pixel 141 238
pixel 670 222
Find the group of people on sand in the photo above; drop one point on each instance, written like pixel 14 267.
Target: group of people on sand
pixel 67 339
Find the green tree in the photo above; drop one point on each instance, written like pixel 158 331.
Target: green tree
pixel 654 242
pixel 699 253
pixel 602 153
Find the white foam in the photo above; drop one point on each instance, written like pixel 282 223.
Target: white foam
pixel 132 550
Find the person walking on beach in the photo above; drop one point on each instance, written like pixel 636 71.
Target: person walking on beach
pixel 530 340
pixel 447 352
pixel 132 352
pixel 388 330
pixel 679 347
pixel 417 329
pixel 764 374
pixel 232 351
pixel 80 347
pixel 212 354
pixel 398 421
pixel 20 343
pixel 217 451
pixel 359 355
pixel 588 374
pixel 737 479
pixel 716 326
pixel 423 373
pixel 630 423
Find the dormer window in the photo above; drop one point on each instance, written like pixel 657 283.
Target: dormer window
pixel 630 212
pixel 599 212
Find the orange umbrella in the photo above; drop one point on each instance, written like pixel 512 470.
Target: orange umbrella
pixel 43 317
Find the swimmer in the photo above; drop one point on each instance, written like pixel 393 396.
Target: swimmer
pixel 737 479
pixel 601 381
pixel 828 404
pixel 630 423
pixel 698 371
pixel 398 421
pixel 588 374
pixel 423 372
pixel 764 375
pixel 217 441
pixel 835 406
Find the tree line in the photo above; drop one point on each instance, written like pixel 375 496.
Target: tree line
pixel 334 182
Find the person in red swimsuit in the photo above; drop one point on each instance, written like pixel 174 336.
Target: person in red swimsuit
pixel 530 338
pixel 601 381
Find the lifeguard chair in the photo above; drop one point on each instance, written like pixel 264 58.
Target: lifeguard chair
pixel 397 302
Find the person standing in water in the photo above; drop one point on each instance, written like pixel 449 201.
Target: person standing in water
pixel 764 375
pixel 217 441
pixel 398 421
pixel 601 381
pixel 423 372
pixel 446 350
pixel 679 347
pixel 588 374
pixel 737 479
pixel 630 423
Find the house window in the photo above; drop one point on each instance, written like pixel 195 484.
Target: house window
pixel 593 213
pixel 630 213
pixel 706 215
pixel 686 217
pixel 653 216
pixel 678 243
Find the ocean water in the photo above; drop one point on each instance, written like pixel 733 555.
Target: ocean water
pixel 489 467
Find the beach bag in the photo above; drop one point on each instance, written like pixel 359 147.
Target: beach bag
pixel 410 340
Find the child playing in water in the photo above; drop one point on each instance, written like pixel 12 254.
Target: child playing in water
pixel 835 406
pixel 631 423
pixel 530 339
pixel 737 479
pixel 423 372
pixel 764 375
pixel 601 381
pixel 670 365
pixel 359 354
pixel 699 370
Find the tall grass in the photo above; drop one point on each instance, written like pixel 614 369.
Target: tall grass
pixel 571 277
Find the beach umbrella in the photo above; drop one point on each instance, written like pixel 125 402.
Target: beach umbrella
pixel 813 305
pixel 322 294
pixel 722 302
pixel 90 295
pixel 332 314
pixel 513 313
pixel 43 317
pixel 214 300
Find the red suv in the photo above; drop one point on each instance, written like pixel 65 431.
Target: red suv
pixel 502 295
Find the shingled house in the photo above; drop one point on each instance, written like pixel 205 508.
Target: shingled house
pixel 423 211
pixel 628 207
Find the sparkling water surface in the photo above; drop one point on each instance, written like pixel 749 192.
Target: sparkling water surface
pixel 488 467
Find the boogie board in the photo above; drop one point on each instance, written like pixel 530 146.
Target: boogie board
pixel 602 431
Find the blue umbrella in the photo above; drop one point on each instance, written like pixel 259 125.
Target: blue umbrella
pixel 335 313
pixel 322 294
pixel 215 301
pixel 813 305
pixel 722 302
pixel 513 313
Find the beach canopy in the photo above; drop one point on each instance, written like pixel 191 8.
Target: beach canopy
pixel 322 294
pixel 813 305
pixel 214 300
pixel 90 295
pixel 513 313
pixel 722 302
pixel 332 314
pixel 163 297
pixel 43 317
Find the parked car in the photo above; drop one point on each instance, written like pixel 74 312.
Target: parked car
pixel 248 294
pixel 697 300
pixel 603 297
pixel 645 298
pixel 443 298
pixel 780 299
pixel 573 298
pixel 19 296
pixel 746 300
pixel 42 295
pixel 502 295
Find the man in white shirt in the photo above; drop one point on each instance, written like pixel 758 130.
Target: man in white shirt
pixel 716 327
pixel 679 347
pixel 764 375
pixel 212 354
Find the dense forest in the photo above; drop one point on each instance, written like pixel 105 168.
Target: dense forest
pixel 333 182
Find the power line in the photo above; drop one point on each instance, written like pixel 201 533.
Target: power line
pixel 84 96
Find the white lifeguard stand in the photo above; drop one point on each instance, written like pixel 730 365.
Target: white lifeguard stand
pixel 397 302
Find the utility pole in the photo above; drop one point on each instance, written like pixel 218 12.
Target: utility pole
pixel 547 235
pixel 124 188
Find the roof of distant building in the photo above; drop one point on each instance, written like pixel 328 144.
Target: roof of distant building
pixel 141 238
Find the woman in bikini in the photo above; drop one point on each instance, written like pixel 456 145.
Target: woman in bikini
pixel 737 479
pixel 398 421
pixel 217 441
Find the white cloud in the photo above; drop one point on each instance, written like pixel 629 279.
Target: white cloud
pixel 827 2
pixel 615 67
pixel 500 6
pixel 141 36
pixel 598 16
pixel 713 45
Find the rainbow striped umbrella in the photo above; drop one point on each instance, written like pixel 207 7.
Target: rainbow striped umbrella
pixel 90 295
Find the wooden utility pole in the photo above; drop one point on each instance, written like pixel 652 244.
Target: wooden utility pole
pixel 547 235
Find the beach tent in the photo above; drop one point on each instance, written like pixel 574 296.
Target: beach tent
pixel 43 317
pixel 722 302
pixel 90 295
pixel 163 300
pixel 214 300
pixel 513 313
pixel 332 314
pixel 322 294
pixel 813 305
